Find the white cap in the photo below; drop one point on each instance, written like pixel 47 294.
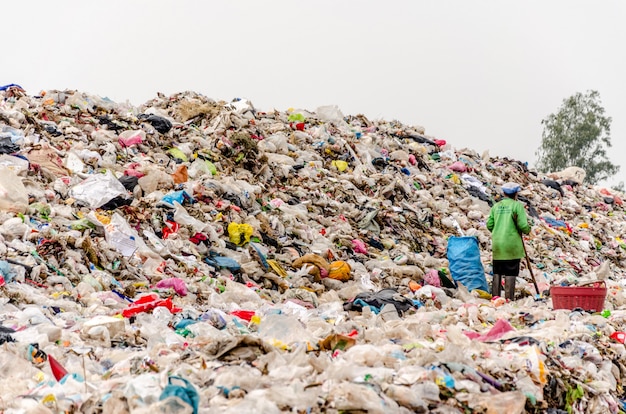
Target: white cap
pixel 510 188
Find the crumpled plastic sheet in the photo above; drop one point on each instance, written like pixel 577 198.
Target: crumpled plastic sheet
pixel 247 329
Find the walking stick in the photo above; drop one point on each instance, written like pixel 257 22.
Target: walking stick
pixel 530 269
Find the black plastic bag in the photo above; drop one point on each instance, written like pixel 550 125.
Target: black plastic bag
pixel 379 300
pixel 159 123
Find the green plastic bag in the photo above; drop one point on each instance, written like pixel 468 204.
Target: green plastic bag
pixel 296 117
pixel 178 154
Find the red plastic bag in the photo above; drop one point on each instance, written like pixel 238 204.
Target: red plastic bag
pixel 147 303
pixel 170 227
pixel 619 336
pixel 243 314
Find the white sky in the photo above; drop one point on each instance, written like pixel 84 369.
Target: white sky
pixel 479 74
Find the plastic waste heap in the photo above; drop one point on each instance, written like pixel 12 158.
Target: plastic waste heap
pixel 202 256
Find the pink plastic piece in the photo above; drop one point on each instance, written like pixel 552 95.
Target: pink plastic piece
pixel 432 278
pixel 131 140
pixel 501 327
pixel 458 166
pixel 131 170
pixel 358 246
pixel 175 283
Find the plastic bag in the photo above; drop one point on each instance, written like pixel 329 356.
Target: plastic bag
pixel 175 283
pixel 458 166
pixel 179 197
pixel 501 327
pixel 340 165
pixel 285 329
pixel 98 189
pixel 329 113
pixel 147 303
pixel 6 272
pixel 377 300
pixel 130 138
pixel 181 175
pixel 200 167
pixel 120 235
pixel 17 164
pixel 240 233
pixel 163 125
pixel 465 264
pixel 181 216
pixel 177 154
pixel 339 270
pixel 222 262
pixel 13 194
pixel 432 278
pixel 7 146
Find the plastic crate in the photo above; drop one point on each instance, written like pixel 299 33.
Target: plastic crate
pixel 589 298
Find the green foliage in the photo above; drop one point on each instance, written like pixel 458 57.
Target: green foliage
pixel 577 135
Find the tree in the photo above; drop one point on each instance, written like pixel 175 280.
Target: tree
pixel 577 135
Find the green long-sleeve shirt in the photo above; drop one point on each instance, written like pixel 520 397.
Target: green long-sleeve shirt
pixel 506 242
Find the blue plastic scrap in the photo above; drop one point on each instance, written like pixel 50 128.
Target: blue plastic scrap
pixel 186 393
pixel 10 85
pixel 222 262
pixel 176 197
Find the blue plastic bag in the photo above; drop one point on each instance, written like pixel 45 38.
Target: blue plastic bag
pixel 177 196
pixel 221 262
pixel 10 85
pixel 6 271
pixel 465 264
pixel 186 393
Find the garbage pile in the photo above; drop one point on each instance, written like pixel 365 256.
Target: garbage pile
pixel 201 256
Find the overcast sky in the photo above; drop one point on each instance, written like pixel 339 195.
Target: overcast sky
pixel 479 74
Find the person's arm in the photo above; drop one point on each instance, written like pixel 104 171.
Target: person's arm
pixel 490 220
pixel 521 220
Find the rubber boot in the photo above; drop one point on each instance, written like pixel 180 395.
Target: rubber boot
pixel 496 285
pixel 509 287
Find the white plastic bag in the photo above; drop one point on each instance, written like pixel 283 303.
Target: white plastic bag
pixel 329 113
pixel 17 164
pixel 98 189
pixel 119 235
pixel 13 194
pixel 181 216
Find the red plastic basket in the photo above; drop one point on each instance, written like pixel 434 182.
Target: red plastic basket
pixel 589 298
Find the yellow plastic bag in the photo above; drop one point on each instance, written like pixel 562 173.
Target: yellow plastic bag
pixel 340 165
pixel 240 233
pixel 276 267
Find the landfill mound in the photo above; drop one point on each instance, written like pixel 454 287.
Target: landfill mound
pixel 193 255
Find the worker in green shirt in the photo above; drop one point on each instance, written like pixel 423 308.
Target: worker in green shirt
pixel 507 220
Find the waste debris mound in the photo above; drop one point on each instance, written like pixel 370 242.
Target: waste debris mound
pixel 203 256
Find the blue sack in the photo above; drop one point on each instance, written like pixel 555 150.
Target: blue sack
pixel 465 264
pixel 186 393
